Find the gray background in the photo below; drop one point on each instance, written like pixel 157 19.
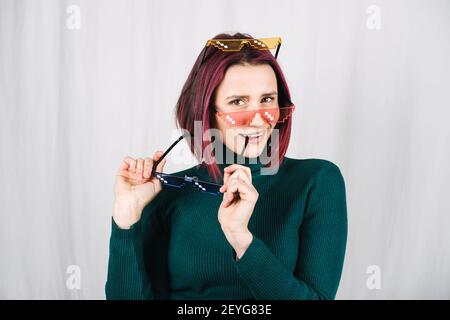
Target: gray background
pixel 75 102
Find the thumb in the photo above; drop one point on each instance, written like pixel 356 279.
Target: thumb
pixel 156 157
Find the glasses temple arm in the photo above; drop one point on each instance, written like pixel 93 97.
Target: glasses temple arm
pixel 278 49
pixel 155 164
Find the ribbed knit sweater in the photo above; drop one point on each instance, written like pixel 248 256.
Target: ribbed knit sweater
pixel 179 251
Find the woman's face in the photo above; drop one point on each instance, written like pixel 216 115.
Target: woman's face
pixel 244 88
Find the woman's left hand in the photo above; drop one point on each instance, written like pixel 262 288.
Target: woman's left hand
pixel 236 209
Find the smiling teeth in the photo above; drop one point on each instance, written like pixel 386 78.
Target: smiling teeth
pixel 252 136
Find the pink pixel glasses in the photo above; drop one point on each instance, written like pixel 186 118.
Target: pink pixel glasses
pixel 244 118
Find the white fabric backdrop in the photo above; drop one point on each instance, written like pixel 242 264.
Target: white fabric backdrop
pixel 74 102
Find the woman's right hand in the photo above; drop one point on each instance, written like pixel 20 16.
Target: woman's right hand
pixel 134 189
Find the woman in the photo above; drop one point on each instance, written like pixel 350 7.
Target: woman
pixel 267 236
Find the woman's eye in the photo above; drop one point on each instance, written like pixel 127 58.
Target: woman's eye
pixel 236 102
pixel 271 99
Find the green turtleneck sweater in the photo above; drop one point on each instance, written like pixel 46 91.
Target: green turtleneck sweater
pixel 178 250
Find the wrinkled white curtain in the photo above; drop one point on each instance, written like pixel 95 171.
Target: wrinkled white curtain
pixel 85 83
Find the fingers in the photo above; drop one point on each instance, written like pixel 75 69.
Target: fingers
pixel 238 171
pixel 231 168
pixel 237 185
pixel 228 197
pixel 160 166
pixel 246 192
pixel 127 164
pixel 148 164
pixel 127 167
pixel 140 169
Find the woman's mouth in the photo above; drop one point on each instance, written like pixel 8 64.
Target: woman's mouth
pixel 254 137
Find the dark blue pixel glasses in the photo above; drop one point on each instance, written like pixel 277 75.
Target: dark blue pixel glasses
pixel 174 181
pixel 171 180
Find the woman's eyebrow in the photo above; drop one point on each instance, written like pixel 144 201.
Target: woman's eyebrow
pixel 240 97
pixel 269 93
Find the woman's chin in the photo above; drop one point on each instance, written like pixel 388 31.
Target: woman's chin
pixel 254 150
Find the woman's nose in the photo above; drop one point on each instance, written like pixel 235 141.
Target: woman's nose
pixel 257 120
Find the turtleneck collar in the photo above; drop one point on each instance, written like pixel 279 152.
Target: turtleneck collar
pixel 230 157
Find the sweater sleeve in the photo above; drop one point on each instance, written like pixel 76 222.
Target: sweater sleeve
pixel 128 270
pixel 322 236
